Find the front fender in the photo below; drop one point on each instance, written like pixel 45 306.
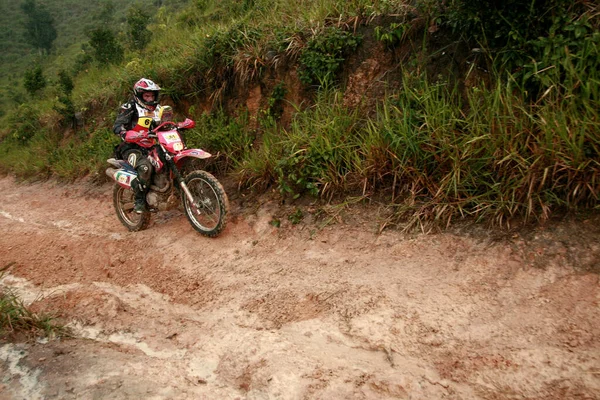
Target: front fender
pixel 195 153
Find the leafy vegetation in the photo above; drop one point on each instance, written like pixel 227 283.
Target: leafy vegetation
pixel 137 30
pixel 393 34
pixel 34 80
pixel 324 55
pixel 508 128
pixel 106 48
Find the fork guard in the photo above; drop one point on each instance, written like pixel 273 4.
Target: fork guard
pixel 195 153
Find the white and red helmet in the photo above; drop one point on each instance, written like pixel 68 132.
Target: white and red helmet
pixel 142 86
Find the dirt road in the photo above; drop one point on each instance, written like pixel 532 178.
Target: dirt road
pixel 294 312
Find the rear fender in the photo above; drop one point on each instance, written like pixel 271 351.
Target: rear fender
pixel 120 164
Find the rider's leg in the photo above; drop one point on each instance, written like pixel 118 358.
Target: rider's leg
pixel 144 170
pixel 139 194
pixel 142 183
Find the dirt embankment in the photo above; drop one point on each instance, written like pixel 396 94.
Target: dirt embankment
pixel 294 312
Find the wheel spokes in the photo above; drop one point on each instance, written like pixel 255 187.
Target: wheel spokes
pixel 205 204
pixel 127 206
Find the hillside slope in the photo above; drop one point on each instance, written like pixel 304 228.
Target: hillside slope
pixel 72 19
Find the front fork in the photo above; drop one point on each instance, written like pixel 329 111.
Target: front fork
pixel 177 175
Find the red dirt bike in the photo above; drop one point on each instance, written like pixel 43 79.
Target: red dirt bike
pixel 203 198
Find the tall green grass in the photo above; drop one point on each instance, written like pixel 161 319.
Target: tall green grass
pixel 50 155
pixel 228 139
pixel 485 153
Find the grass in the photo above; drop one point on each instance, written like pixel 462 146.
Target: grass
pixel 227 138
pixel 47 155
pixel 492 156
pixel 16 318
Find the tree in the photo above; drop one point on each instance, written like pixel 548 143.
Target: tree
pixel 137 32
pixel 39 26
pixel 65 105
pixel 106 48
pixel 34 80
pixel 65 82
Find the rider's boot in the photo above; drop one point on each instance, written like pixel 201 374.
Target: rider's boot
pixel 139 194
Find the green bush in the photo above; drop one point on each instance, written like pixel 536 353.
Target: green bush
pixel 34 80
pixel 392 35
pixel 106 48
pixel 567 59
pixel 542 44
pixel 324 54
pixel 82 156
pixel 230 138
pixel 65 82
pixel 65 106
pixel 319 151
pixel 137 27
pixel 509 23
pixel 83 59
pixel 24 123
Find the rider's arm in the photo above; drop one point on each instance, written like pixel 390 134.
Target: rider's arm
pixel 124 119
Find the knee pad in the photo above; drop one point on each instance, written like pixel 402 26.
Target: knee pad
pixel 132 159
pixel 144 170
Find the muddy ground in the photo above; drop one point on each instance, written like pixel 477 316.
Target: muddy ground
pixel 300 311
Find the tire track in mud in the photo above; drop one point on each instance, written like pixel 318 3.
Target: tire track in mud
pixel 63 226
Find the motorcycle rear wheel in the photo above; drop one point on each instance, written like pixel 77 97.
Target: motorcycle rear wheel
pixel 208 214
pixel 123 201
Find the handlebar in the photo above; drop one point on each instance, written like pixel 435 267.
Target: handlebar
pixel 162 125
pixel 152 134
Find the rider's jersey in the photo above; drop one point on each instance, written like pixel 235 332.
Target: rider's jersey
pixel 133 116
pixel 145 118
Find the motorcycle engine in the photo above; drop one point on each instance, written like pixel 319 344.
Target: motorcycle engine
pixel 152 198
pixel 161 181
pixel 160 196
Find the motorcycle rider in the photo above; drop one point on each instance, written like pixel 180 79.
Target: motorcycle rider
pixel 138 113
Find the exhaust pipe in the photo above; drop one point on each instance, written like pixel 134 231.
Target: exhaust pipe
pixel 111 173
pixel 122 177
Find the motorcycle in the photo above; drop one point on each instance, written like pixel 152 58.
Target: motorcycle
pixel 202 196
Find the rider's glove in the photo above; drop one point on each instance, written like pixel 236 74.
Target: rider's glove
pixel 122 134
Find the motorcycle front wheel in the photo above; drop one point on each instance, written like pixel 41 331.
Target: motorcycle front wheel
pixel 123 201
pixel 208 212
